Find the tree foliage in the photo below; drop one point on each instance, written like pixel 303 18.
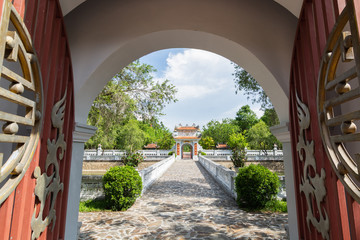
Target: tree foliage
pixel 246 118
pixel 260 137
pixel 247 85
pixel 130 137
pixel 220 131
pixel 237 141
pixel 131 94
pixel 207 142
pixel 270 117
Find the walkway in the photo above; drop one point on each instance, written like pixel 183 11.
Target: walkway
pixel 185 203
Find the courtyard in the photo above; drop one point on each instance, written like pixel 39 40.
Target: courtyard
pixel 185 203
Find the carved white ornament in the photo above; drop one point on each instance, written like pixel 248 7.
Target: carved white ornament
pixel 50 184
pixel 312 185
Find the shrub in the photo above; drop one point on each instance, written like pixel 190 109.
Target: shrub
pixel 255 186
pixel 202 153
pixel 122 185
pixel 238 157
pixel 133 160
pixel 170 153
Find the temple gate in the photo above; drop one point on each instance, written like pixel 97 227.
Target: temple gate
pixel 187 136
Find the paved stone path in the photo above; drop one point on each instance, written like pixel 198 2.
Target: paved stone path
pixel 185 203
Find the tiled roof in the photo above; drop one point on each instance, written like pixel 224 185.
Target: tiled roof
pixel 186 137
pixel 151 145
pixel 187 128
pixel 222 146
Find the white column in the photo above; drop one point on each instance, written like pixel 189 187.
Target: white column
pixel 282 133
pixel 81 134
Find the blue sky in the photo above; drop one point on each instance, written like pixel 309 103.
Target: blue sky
pixel 205 86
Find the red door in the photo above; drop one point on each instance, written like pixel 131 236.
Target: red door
pixel 324 113
pixel 36 110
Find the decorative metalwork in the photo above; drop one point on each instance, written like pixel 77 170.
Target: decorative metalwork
pixel 339 98
pixel 20 100
pixel 312 185
pixel 47 185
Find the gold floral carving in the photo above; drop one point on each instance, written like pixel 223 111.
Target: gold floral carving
pixel 312 185
pixel 50 185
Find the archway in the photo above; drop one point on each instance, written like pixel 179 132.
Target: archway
pixel 259 39
pixel 186 151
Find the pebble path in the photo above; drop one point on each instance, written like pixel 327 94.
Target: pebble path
pixel 185 203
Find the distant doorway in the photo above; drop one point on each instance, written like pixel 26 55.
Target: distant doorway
pixel 186 151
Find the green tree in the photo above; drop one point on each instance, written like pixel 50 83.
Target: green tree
pixel 270 117
pixel 132 93
pixel 166 141
pixel 237 141
pixel 246 118
pixel 207 142
pixel 156 132
pixel 247 85
pixel 260 137
pixel 220 131
pixel 130 137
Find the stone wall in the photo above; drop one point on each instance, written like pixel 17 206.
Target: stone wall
pixel 226 177
pixel 91 187
pixel 99 167
pixel 274 166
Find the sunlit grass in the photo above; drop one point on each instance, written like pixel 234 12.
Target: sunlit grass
pixel 95 205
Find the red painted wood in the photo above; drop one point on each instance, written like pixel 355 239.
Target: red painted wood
pixel 345 225
pixel 6 216
pixel 23 210
pixel 30 15
pixel 39 29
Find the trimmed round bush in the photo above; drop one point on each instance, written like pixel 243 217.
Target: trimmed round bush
pixel 255 186
pixel 122 185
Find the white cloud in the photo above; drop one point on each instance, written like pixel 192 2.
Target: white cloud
pixel 197 73
pixel 205 86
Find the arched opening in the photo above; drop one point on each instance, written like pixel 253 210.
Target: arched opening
pixel 186 151
pixel 99 51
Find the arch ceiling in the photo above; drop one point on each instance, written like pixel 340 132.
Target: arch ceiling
pixel 256 34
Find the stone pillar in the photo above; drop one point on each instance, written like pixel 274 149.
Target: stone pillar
pixel 282 133
pixel 81 134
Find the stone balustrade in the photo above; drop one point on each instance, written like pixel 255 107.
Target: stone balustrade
pixel 120 153
pixel 150 174
pixel 225 177
pixel 252 155
pixel 91 185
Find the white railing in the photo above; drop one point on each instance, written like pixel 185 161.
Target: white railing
pixel 225 177
pixel 270 152
pixel 252 155
pixel 100 152
pixel 150 174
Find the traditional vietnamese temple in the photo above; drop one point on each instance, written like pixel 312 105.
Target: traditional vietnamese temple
pixel 187 136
